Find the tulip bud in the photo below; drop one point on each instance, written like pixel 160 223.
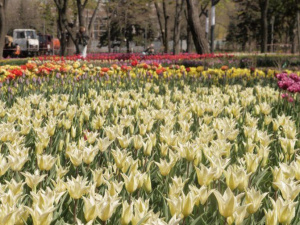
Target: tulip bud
pixel 73 132
pixel 147 184
pixel 148 148
pixel 61 145
pixel 67 138
pixel 131 129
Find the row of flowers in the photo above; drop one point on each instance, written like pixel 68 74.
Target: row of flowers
pixel 132 68
pixel 135 56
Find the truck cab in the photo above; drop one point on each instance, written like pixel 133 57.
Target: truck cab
pixel 27 40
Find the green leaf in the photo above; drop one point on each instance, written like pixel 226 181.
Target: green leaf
pixel 198 221
pixel 143 219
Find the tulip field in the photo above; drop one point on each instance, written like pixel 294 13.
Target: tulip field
pixel 134 142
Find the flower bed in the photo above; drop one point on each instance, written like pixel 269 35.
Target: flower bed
pixel 146 144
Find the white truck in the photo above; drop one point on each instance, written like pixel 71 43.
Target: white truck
pixel 27 40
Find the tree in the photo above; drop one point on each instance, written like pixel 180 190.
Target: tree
pixel 67 28
pixel 3 8
pixel 62 6
pixel 264 4
pixel 177 25
pixel 163 22
pixel 200 42
pixel 126 23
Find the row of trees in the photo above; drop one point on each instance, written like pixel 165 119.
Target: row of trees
pixel 130 20
pixel 252 22
pixel 265 22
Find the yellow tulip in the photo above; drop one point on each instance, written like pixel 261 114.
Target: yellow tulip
pixel 201 195
pixel 4 165
pixel 59 185
pixel 271 217
pixel 77 187
pixel 124 141
pixel 91 137
pixel 138 142
pixel 90 209
pixel 104 143
pixel 148 148
pixel 288 145
pixel 39 216
pixel 175 205
pixel 252 162
pixel 164 167
pixel 253 199
pixel 114 187
pixel 289 189
pixel 285 210
pixel 98 122
pixel 73 131
pixel 45 162
pixel 131 182
pixel 32 180
pixel 205 175
pixel 142 129
pixel 232 177
pixel 107 207
pixel 163 149
pixel 239 214
pixel 14 187
pixel 127 213
pixel 228 202
pixel 89 154
pixel 22 216
pixel 147 183
pixel 187 204
pixel 75 156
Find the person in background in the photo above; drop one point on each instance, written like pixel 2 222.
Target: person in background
pixel 150 50
pixel 82 41
pixel 18 51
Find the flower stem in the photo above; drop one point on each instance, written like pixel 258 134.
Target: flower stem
pixel 75 209
pixel 188 168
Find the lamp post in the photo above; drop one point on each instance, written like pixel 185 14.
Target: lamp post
pixel 213 21
pixel 206 24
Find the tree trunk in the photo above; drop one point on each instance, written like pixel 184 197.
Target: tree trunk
pixel 166 16
pixel 108 35
pixel 298 29
pixel 196 28
pixel 160 22
pixel 264 4
pixel 61 6
pixel 177 28
pixel 293 40
pixel 189 40
pixel 3 5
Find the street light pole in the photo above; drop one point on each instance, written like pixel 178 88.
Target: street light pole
pixel 213 20
pixel 206 24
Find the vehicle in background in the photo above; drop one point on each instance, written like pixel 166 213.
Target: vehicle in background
pixel 48 45
pixel 27 40
pixel 21 43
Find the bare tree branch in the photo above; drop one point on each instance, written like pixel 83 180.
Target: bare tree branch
pixel 94 15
